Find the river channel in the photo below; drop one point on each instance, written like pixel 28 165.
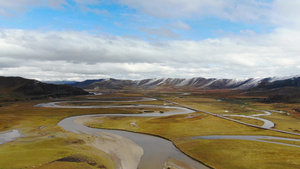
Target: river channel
pixel 156 150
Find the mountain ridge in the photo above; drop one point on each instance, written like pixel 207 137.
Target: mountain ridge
pixel 18 87
pixel 196 82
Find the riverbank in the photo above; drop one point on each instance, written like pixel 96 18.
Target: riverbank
pixel 156 150
pixel 171 163
pixel 9 136
pixel 124 152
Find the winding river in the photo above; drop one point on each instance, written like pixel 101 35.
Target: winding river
pixel 156 150
pixel 267 123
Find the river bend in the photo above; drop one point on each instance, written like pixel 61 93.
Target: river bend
pixel 156 150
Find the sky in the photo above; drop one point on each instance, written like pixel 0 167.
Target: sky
pixel 53 40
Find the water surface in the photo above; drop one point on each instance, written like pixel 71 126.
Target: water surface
pixel 8 136
pixel 156 150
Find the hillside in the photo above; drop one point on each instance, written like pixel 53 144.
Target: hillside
pixel 15 88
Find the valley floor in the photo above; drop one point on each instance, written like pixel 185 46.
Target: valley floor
pixel 46 145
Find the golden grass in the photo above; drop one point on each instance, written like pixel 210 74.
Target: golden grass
pixel 38 148
pixel 248 120
pixel 111 103
pixel 241 153
pixel 214 106
pixel 179 126
pixel 22 114
pixel 297 143
pixel 216 153
pixel 43 148
pixel 288 121
pixel 121 93
pixel 285 122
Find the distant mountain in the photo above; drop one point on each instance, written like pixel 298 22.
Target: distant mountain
pixel 211 83
pixel 18 87
pixel 85 83
pixel 59 82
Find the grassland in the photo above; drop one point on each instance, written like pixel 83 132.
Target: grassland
pixel 215 153
pixel 248 120
pixel 95 103
pixel 51 147
pixel 48 146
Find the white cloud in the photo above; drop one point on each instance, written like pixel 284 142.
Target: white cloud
pixel 80 55
pixel 161 32
pixel 55 4
pixel 228 9
pixel 273 12
pixel 15 7
pixel 9 8
pixel 95 11
pixel 285 12
pixel 87 2
pixel 277 12
pixel 180 25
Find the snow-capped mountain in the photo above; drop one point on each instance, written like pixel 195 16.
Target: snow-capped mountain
pixel 199 82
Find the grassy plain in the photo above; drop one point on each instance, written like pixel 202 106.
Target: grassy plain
pixel 47 146
pixel 95 103
pixel 248 120
pixel 51 147
pixel 215 153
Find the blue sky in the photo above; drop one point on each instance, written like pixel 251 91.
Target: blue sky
pixel 133 39
pixel 116 19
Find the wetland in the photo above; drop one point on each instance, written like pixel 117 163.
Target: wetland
pixel 156 130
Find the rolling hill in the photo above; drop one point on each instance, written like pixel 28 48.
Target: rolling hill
pixel 14 88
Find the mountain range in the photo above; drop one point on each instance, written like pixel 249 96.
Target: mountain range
pixel 277 88
pixel 199 82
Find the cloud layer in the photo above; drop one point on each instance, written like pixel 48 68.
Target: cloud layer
pixel 271 11
pixel 79 55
